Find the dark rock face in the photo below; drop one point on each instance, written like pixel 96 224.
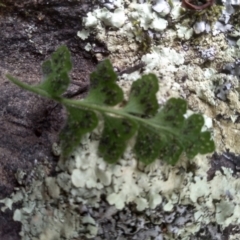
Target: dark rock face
pixel 30 32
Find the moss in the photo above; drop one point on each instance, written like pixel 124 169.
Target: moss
pixel 142 38
pixel 209 15
pixel 236 18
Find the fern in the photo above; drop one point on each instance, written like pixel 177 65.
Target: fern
pixel 160 132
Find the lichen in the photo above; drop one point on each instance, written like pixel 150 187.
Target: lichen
pixel 195 58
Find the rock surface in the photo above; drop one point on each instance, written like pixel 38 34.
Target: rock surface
pixel 30 32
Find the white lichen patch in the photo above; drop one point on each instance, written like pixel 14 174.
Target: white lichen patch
pixel 69 197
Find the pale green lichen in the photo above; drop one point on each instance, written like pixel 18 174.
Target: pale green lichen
pixel 148 188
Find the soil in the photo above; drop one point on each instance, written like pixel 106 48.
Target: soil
pixel 30 31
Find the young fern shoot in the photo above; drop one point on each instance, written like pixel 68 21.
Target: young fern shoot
pixel 160 132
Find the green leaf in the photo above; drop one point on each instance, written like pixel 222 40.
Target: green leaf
pixel 143 100
pixel 116 133
pixel 160 132
pixel 164 143
pixel 171 114
pixel 55 72
pixel 194 140
pixel 79 122
pixel 148 144
pixel 172 150
pixel 28 87
pixel 103 87
pixel 206 144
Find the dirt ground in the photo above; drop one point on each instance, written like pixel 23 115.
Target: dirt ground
pixel 30 32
